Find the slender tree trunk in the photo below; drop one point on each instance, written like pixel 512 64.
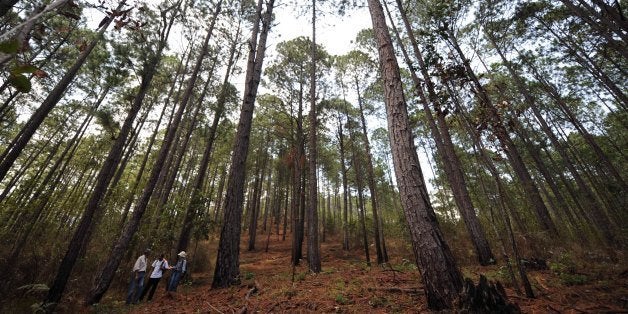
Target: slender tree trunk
pixel 31 126
pixel 255 201
pixel 357 169
pixel 313 245
pixel 227 271
pixel 345 190
pixel 512 152
pixel 501 192
pixel 297 191
pixel 195 201
pixel 378 233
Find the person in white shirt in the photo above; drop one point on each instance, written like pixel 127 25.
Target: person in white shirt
pixel 178 271
pixel 160 265
pixel 137 278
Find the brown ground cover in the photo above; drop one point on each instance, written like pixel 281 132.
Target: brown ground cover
pixel 348 285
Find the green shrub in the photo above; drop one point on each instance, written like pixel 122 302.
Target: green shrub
pixel 573 279
pixel 565 268
pixel 249 275
pixel 378 301
pixel 340 299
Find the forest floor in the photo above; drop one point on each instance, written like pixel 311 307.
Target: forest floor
pixel 347 284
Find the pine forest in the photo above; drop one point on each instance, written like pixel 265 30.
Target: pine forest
pixel 313 156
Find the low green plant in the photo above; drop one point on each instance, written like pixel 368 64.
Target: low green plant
pixel 289 293
pixel 249 275
pixel 340 299
pixel 377 301
pixel 406 265
pixel 573 279
pixel 565 268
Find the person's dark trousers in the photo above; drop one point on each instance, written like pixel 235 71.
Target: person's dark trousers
pixel 174 281
pixel 152 285
pixel 135 288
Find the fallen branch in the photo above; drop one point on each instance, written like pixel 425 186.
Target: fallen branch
pixel 577 309
pixel 553 309
pixel 396 289
pixel 275 305
pixel 253 290
pixel 248 294
pixel 213 308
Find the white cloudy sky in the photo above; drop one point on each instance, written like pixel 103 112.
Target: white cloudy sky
pixel 334 32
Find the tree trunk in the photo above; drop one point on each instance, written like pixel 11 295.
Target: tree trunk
pixel 10 155
pixel 313 245
pixel 227 270
pixel 441 277
pixel 195 201
pixel 255 200
pixel 508 146
pixel 377 232
pixel 345 190
pixel 357 170
pixel 446 149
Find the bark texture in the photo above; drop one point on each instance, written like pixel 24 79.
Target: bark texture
pixel 227 271
pixel 441 277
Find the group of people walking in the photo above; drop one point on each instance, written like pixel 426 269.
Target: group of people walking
pixel 137 291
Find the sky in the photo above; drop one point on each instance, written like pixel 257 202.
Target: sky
pixel 334 32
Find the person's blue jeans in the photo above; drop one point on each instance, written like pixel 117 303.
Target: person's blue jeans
pixel 135 288
pixel 174 281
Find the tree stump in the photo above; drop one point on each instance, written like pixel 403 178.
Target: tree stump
pixel 486 297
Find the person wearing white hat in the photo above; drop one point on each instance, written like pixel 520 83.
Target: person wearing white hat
pixel 178 271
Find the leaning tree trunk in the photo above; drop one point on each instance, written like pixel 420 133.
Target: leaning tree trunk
pixel 33 123
pixel 501 190
pixel 510 149
pixel 115 257
pixel 227 270
pixel 377 231
pixel 445 147
pixel 441 277
pixel 195 200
